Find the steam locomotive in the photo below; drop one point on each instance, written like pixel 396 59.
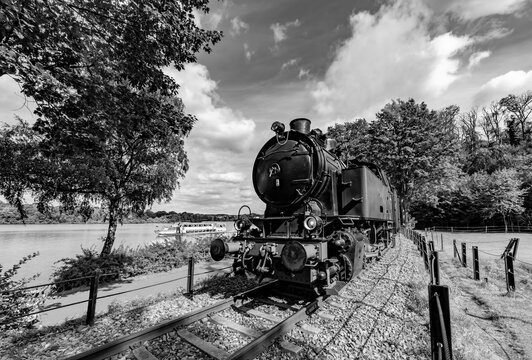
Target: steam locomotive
pixel 323 218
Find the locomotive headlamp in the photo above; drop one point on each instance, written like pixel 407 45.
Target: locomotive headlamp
pixel 242 224
pixel 311 222
pixel 278 128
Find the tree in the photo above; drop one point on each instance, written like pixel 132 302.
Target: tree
pixel 409 142
pixel 110 125
pixel 350 138
pixel 520 109
pixel 499 193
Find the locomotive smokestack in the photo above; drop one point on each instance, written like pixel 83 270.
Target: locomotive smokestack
pixel 301 125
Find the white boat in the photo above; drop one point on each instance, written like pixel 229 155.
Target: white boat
pixel 191 228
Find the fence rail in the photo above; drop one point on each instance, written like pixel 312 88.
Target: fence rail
pixel 93 292
pixel 484 229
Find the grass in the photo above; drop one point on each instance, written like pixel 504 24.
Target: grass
pixel 488 322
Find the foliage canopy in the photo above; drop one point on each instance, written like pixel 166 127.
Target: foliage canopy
pixel 110 124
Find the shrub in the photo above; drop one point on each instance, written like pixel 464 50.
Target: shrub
pixel 76 272
pixel 16 303
pixel 124 262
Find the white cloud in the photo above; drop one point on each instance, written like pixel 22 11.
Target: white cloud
pixel 512 82
pixel 214 17
pixel 218 148
pixel 289 63
pixel 475 9
pixel 279 30
pixel 391 54
pixel 218 127
pixel 14 103
pixel 238 26
pixel 233 177
pixel 303 73
pixel 477 57
pixel 247 52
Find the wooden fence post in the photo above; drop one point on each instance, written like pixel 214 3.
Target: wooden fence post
pixel 476 265
pixel 440 322
pixel 509 270
pixel 464 258
pixel 454 248
pixel 425 255
pixel 190 278
pixel 435 269
pixel 93 296
pixel 441 249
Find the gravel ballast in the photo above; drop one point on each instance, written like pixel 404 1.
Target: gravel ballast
pixel 381 314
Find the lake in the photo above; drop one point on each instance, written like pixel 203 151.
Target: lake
pixel 58 241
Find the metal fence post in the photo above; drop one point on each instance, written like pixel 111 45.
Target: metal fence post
pixel 476 265
pixel 454 248
pixel 93 295
pixel 190 279
pixel 509 270
pixel 440 322
pixel 441 242
pixel 464 258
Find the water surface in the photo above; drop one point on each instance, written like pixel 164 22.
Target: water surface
pixel 57 241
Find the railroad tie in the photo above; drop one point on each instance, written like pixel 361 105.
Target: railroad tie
pixel 309 329
pixel 263 315
pixel 337 305
pixel 326 316
pixel 203 345
pixel 220 320
pixel 141 353
pixel 290 347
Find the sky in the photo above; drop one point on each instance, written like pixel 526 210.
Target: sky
pixel 331 62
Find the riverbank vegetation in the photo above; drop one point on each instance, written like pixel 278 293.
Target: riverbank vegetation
pixel 451 168
pixel 125 262
pixel 57 215
pixel 16 305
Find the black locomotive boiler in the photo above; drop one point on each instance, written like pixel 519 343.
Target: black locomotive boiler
pixel 322 217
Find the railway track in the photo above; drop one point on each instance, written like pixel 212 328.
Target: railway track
pixel 247 303
pixel 243 326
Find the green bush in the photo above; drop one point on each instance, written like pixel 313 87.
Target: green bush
pixel 74 272
pixel 124 262
pixel 14 304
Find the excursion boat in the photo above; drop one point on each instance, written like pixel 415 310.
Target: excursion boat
pixel 191 228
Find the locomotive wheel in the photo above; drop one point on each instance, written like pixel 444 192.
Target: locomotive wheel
pixel 347 273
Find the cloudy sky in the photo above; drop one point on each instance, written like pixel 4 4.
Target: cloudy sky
pixel 329 61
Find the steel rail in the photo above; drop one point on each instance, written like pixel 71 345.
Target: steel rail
pixel 123 344
pixel 261 343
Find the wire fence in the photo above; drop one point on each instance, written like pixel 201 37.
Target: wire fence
pixel 467 255
pixel 93 290
pixel 438 296
pixel 484 229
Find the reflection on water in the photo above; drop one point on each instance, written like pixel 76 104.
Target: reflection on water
pixel 57 241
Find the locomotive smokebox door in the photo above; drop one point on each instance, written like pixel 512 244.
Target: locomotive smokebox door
pixel 282 172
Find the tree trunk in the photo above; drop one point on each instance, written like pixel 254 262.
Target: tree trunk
pixel 505 223
pixel 111 230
